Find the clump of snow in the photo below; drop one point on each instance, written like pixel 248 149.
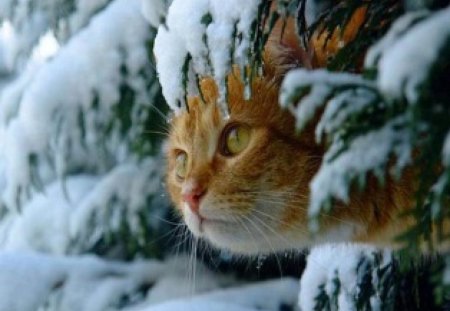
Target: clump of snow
pixel 7 47
pixel 405 64
pixel 399 28
pixel 155 11
pixel 44 224
pixel 446 151
pixel 303 91
pixel 119 197
pixel 199 37
pixel 367 152
pixel 343 261
pixel 341 108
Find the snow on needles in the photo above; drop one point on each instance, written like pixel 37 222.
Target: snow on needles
pixel 345 263
pixel 87 68
pixel 405 65
pixel 367 152
pixel 198 37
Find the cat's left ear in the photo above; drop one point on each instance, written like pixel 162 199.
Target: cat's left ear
pixel 283 50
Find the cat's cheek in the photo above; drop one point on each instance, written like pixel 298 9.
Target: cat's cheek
pixel 191 220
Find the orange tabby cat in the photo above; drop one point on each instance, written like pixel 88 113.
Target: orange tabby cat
pixel 243 183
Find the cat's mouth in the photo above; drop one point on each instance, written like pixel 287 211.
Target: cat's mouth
pixel 200 224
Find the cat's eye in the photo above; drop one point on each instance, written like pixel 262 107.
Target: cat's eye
pixel 235 139
pixel 180 165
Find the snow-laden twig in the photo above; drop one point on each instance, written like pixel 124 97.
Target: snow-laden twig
pixel 65 110
pixel 366 153
pixel 406 58
pixel 303 91
pixel 205 37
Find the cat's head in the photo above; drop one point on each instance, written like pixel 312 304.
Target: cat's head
pixel 242 183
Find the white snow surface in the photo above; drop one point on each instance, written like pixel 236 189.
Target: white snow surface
pixel 89 283
pixel 267 295
pixel 209 44
pixel 79 283
pixel 406 63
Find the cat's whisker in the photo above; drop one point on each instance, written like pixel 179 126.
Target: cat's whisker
pixel 281 222
pixel 291 204
pixel 267 240
pixel 241 222
pixel 159 112
pixel 157 133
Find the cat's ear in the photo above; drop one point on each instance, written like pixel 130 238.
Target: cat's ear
pixel 283 50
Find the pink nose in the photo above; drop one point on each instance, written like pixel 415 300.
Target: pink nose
pixel 193 197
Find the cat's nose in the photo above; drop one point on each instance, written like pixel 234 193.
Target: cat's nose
pixel 193 196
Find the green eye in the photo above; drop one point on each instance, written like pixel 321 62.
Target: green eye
pixel 180 165
pixel 235 139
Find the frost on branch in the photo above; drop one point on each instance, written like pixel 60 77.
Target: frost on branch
pixel 203 38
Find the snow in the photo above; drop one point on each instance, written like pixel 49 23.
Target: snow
pixel 90 283
pixel 367 152
pixel 7 47
pixel 44 224
pixel 314 8
pixel 341 108
pixel 267 295
pixel 81 283
pixel 446 151
pixel 326 262
pixel 30 20
pixel 399 28
pixel 405 65
pixel 303 91
pixel 155 11
pixel 118 197
pixel 189 33
pixel 88 66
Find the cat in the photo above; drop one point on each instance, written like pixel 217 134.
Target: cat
pixel 243 183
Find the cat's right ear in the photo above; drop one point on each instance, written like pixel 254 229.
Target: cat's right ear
pixel 283 50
